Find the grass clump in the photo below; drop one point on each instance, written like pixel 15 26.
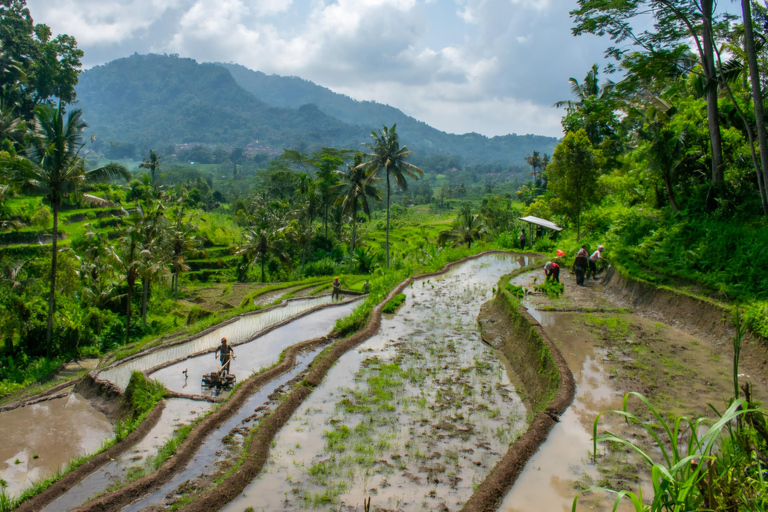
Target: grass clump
pixel 394 303
pixel 553 289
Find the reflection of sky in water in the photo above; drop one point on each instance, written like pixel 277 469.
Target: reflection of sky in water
pixel 236 332
pixel 56 431
pixel 443 308
pixel 254 355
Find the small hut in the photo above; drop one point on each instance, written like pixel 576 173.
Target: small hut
pixel 535 221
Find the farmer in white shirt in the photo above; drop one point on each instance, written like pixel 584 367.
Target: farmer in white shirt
pixel 597 255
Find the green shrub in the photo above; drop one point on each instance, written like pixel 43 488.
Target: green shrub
pixel 197 313
pixel 394 303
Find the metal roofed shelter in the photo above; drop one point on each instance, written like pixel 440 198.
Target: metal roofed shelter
pixel 530 219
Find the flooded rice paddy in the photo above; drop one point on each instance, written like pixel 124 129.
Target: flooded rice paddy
pixel 610 354
pixel 40 439
pixel 255 355
pixel 245 328
pixel 414 418
pixel 177 412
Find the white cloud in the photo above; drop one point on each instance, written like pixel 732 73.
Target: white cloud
pixel 491 66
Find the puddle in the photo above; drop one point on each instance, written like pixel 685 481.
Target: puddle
pixel 177 412
pixel 414 418
pixel 610 355
pixel 56 431
pixel 236 332
pixel 220 449
pixel 252 356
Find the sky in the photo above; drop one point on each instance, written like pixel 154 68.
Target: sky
pixel 487 66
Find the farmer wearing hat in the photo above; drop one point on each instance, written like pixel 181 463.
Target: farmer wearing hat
pixel 225 355
pixel 336 288
pixel 597 255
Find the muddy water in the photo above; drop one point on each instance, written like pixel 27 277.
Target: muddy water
pixel 41 439
pixel 670 367
pixel 177 412
pixel 255 355
pixel 220 449
pixel 414 418
pixel 236 332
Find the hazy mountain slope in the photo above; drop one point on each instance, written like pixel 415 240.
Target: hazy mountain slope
pixel 155 101
pixel 293 92
pixel 152 100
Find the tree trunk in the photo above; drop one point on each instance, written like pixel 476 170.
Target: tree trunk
pixel 354 230
pixel 52 296
pixel 325 221
pixel 713 121
pixel 262 269
pixel 387 244
pixel 144 299
pixel 670 192
pixel 131 282
pixel 757 99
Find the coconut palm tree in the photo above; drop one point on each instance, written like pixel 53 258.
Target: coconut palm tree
pixel 152 164
pixel 387 156
pixel 261 242
pixel 353 192
pixel 152 261
pixel 467 229
pixel 54 168
pixel 127 259
pixel 591 87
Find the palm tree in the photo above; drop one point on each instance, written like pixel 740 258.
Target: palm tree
pixel 260 243
pixel 535 162
pixel 180 242
pixel 151 264
pixel 354 191
pixel 55 168
pixel 388 156
pixel 467 229
pixel 152 164
pixel 591 87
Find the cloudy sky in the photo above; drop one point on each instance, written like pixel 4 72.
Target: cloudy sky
pixel 489 66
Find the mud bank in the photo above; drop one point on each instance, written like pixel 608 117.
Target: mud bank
pixel 548 387
pixel 701 318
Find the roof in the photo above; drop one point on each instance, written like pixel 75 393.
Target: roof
pixel 541 222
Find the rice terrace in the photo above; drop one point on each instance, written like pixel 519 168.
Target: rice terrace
pixel 297 256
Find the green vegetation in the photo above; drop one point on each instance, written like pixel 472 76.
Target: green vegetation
pixel 394 303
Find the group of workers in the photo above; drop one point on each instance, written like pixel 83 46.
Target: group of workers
pixel 584 266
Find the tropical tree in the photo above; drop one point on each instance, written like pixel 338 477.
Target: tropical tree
pixel 151 258
pixel 353 192
pixel 573 175
pixel 678 24
pixel 467 229
pixel 55 169
pixel 180 242
pixel 534 160
pixel 127 259
pixel 388 157
pixel 588 89
pixel 264 240
pixel 152 164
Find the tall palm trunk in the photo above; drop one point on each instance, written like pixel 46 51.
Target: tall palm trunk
pixel 52 296
pixel 670 192
pixel 388 218
pixel 757 99
pixel 713 120
pixel 131 282
pixel 144 298
pixel 354 229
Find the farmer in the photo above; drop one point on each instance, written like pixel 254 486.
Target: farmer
pixel 225 355
pixel 580 265
pixel 552 271
pixel 597 255
pixel 539 232
pixel 366 286
pixel 521 239
pixel 336 288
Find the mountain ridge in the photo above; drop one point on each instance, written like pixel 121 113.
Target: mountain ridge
pixel 152 101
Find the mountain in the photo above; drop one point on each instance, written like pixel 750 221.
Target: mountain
pixel 155 101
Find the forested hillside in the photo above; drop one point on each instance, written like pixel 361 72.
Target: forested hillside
pixel 155 101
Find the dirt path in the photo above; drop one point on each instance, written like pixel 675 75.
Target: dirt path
pixel 611 351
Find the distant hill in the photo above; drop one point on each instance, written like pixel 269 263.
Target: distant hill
pixel 155 101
